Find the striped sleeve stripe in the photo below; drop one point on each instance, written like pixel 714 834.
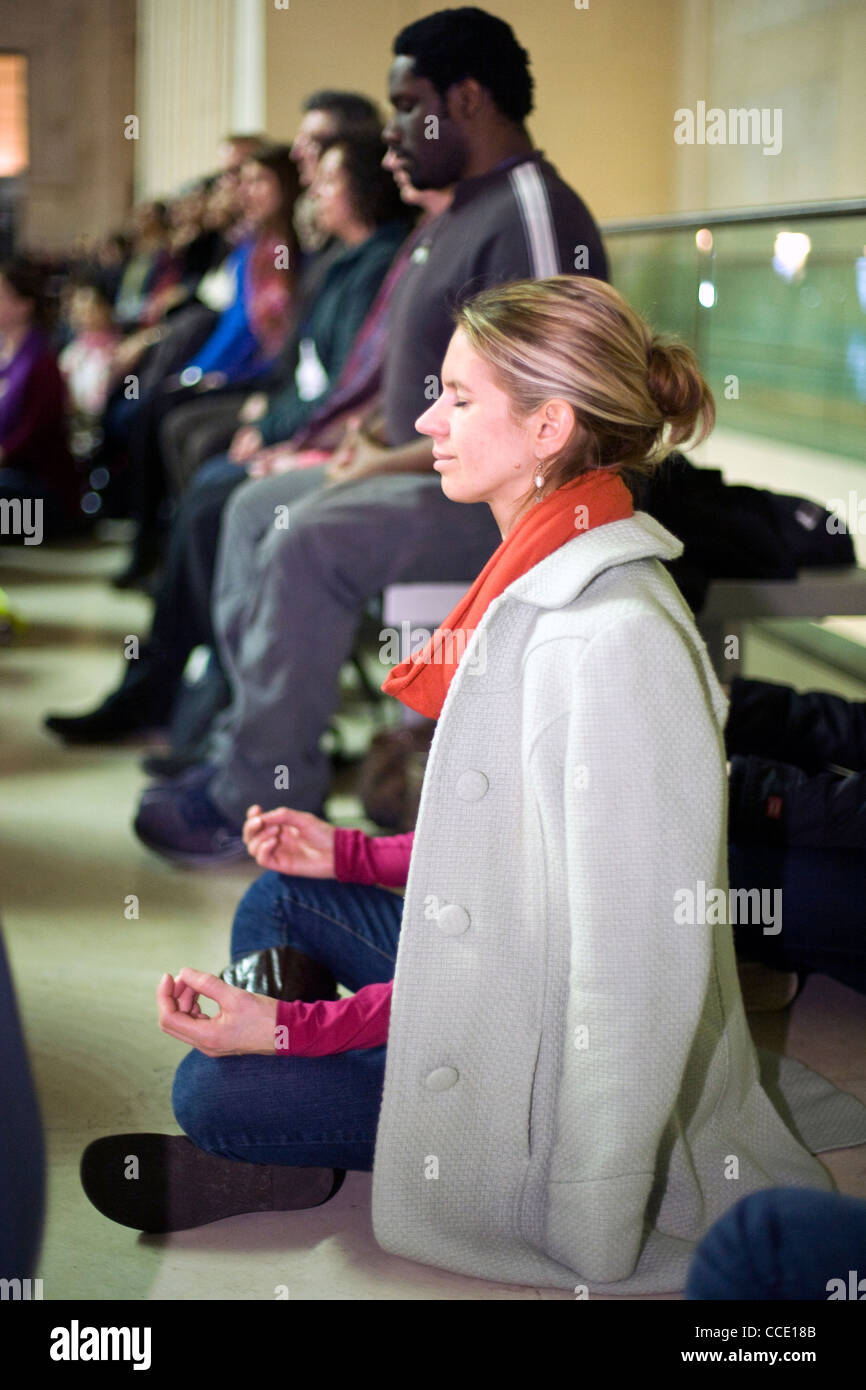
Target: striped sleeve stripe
pixel 531 195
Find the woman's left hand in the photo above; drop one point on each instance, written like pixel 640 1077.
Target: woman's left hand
pixel 245 1022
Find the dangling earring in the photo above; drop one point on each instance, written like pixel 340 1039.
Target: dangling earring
pixel 539 480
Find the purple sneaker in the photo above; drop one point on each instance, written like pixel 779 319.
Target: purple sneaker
pixel 184 824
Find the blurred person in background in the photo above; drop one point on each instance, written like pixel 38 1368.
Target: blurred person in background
pixel 87 360
pixel 150 269
pixel 204 427
pixel 35 463
pixel 243 344
pixel 327 116
pixel 165 344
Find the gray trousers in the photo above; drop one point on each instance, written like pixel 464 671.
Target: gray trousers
pixel 288 602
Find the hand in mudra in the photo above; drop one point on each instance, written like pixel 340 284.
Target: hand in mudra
pixel 291 842
pixel 245 1022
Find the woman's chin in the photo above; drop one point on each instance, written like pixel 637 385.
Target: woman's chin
pixel 453 490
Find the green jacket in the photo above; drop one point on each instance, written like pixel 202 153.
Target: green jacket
pixel 347 294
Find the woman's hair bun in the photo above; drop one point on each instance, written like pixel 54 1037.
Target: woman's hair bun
pixel 679 390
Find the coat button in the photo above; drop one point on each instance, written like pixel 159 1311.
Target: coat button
pixel 452 919
pixel 442 1079
pixel 472 785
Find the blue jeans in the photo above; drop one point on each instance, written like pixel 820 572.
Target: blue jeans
pixel 300 1111
pixel 783 1243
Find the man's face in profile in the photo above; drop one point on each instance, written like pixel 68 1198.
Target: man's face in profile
pixel 315 128
pixel 426 142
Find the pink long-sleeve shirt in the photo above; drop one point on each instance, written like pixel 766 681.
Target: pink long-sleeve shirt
pixel 339 1025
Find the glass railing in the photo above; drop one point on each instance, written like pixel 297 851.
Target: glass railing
pixel 774 303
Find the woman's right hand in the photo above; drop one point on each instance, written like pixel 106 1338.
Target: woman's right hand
pixel 290 842
pixel 279 458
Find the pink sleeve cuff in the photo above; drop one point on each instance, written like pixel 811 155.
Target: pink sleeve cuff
pixel 360 858
pixel 333 1025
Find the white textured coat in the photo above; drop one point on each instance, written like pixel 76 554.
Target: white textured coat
pixel 571 1093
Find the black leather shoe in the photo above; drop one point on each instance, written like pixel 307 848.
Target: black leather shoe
pixel 107 724
pixel 282 972
pixel 160 1182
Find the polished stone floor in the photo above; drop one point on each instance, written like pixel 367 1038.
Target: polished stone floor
pixel 86 976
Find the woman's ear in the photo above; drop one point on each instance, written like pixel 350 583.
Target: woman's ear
pixel 555 426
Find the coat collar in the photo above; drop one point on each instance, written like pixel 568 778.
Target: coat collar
pixel 562 575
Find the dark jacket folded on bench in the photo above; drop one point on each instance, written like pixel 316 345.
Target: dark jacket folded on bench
pixel 736 532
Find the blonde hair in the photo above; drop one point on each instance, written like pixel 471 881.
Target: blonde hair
pixel 634 395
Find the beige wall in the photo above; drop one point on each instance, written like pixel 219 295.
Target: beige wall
pixel 603 81
pixel 805 57
pixel 609 79
pixel 81 65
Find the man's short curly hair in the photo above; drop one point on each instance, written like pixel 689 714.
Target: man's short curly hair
pixel 451 45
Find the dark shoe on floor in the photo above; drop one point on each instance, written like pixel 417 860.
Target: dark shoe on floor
pixel 107 724
pixel 173 1186
pixel 182 823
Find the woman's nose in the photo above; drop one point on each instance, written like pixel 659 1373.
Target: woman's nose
pixel 428 423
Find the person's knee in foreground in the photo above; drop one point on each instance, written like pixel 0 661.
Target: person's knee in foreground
pixel 22 1147
pixel 784 1244
pixel 569 1068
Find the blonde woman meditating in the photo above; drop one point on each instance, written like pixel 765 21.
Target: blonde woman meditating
pixel 547 1073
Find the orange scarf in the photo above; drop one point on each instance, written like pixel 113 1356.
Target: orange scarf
pixel 591 500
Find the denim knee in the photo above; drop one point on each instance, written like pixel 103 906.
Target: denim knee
pixel 194 1097
pixel 779 1243
pixel 257 906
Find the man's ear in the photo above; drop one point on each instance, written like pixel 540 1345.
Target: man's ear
pixel 466 99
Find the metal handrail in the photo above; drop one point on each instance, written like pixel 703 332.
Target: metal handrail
pixel 783 212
